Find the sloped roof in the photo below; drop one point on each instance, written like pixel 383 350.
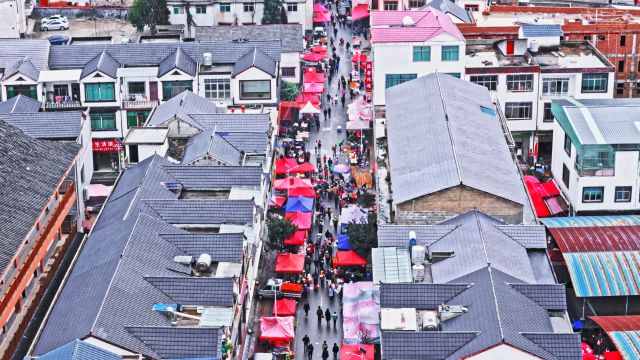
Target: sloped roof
pixel 24 67
pixel 208 142
pixel 387 26
pixel 398 235
pixel 31 169
pixel 439 138
pixel 416 345
pixel 255 58
pixel 289 34
pixel 422 296
pixel 177 60
pixel 214 211
pixel 215 177
pixel 104 63
pixel 19 104
pixel 221 247
pixel 449 7
pixel 234 123
pixel 13 50
pixel 181 343
pixel 180 107
pixel 541 30
pixel 79 350
pixel 207 291
pixel 249 142
pixel 47 125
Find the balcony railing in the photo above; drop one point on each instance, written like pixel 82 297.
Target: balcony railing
pixel 61 105
pixel 139 104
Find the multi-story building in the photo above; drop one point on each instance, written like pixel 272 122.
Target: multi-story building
pixel 14 19
pixel 39 193
pixel 409 44
pixel 595 154
pixel 458 10
pixel 525 74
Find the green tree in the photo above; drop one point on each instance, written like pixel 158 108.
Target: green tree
pixel 363 237
pixel 280 229
pixel 367 200
pixel 288 91
pixel 148 13
pixel 272 13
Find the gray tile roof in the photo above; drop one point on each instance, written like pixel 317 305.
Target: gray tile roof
pixel 289 34
pixel 256 123
pixel 19 104
pixel 31 171
pixel 549 296
pixel 255 58
pixel 24 67
pixel 215 177
pixel 13 50
pixel 449 7
pixel 249 142
pixel 423 345
pixel 529 236
pixel 209 143
pixel 226 247
pixel 177 60
pixel 439 138
pixel 152 54
pixel 104 63
pixel 214 211
pixel 562 346
pixel 421 296
pixel 180 107
pixel 541 30
pixel 47 125
pixel 398 235
pixel 79 350
pixel 206 291
pixel 181 343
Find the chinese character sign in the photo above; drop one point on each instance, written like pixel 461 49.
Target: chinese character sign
pixel 368 76
pixel 103 145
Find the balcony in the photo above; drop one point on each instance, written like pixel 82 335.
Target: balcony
pixel 65 105
pixel 139 104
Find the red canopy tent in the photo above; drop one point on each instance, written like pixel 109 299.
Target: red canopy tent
pixel 359 55
pixel 321 18
pixel 314 77
pixel 303 99
pixel 320 49
pixel 277 201
pixel 360 12
pixel 276 329
pixel 313 57
pixel 295 186
pixel 291 166
pixel 301 219
pixel 355 352
pixel 290 263
pixel 298 238
pixel 313 88
pixel 349 258
pixel 285 307
pixel 319 8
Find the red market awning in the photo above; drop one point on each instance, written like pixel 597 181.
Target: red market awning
pixel 356 352
pixel 314 77
pixel 321 18
pixel 361 56
pixel 319 8
pixel 277 201
pixel 291 166
pixel 320 49
pixel 313 88
pixel 303 99
pixel 290 263
pixel 284 307
pixel 298 238
pixel 276 329
pixel 360 12
pixel 313 57
pixel 286 110
pixel 349 258
pixel 295 186
pixel 300 219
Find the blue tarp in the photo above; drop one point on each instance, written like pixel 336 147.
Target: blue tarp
pixel 343 242
pixel 301 204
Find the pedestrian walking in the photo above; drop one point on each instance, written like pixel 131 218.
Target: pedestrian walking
pixel 342 100
pixel 325 354
pixel 305 341
pixel 306 308
pixel 334 317
pixel 319 145
pixel 319 313
pixel 333 150
pixel 336 350
pixel 335 221
pixel 327 316
pixel 310 351
pixel 335 32
pixel 325 346
pixel 329 112
pixel 325 113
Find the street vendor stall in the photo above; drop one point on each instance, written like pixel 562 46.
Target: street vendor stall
pixel 284 307
pixel 357 352
pixel 287 114
pixel 301 204
pixel 295 186
pixel 361 306
pixel 320 49
pixel 313 88
pixel 277 201
pixel 319 18
pixel 349 258
pixel 313 57
pixel 358 56
pixel 302 99
pixel 278 330
pixel 300 219
pixel 290 263
pixel 291 166
pixel 343 242
pixel 360 12
pixel 298 238
pixel 309 108
pixel 313 76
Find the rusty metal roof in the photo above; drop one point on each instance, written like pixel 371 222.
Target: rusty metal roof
pixel 602 238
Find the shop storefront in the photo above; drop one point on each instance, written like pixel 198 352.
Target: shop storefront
pixel 106 155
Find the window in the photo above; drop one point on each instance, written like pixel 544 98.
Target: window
pixel 173 88
pixel 471 7
pixel 566 175
pixel 620 65
pixel 623 40
pixel 519 83
pixel 217 89
pixel 288 71
pixel 555 87
pixel 177 10
pixel 292 7
pixel 136 118
pixel 594 83
pixel 103 121
pixel 60 90
pixel 619 88
pixel 26 90
pixel 255 89
pixel 99 92
pixel 567 144
pixel 548 115
pixel 592 194
pixel 450 53
pixel 248 7
pixel 136 88
pixel 397 79
pixel 201 9
pixel 623 194
pixel 488 111
pixel 390 5
pixel 587 37
pixel 488 81
pixel 421 53
pixel 518 110
pixel 416 3
pixel 225 7
pixel 455 75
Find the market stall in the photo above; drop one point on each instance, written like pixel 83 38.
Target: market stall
pixel 300 219
pixel 313 88
pixel 290 263
pixel 298 238
pixel 320 49
pixel 278 331
pixel 361 306
pixel 284 307
pixel 343 242
pixel 313 57
pixel 294 186
pixel 277 201
pixel 357 352
pixel 291 166
pixel 299 203
pixel 349 258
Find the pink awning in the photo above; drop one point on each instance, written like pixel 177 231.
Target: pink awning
pixel 319 8
pixel 321 18
pixel 360 12
pixel 276 329
pixel 284 307
pixel 291 166
pixel 302 99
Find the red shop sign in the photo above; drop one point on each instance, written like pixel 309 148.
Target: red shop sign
pixel 368 76
pixel 104 145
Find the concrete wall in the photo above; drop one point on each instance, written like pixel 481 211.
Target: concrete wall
pixel 73 13
pixel 503 352
pixel 253 74
pixel 10 25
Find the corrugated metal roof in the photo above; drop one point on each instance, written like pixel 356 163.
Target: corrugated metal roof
pixel 618 323
pixel 597 239
pixel 604 273
pixel 624 331
pixel 585 221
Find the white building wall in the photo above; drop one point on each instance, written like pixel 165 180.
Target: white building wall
pixel 503 352
pixel 13 81
pixel 253 74
pixel 10 26
pixel 213 16
pixel 291 59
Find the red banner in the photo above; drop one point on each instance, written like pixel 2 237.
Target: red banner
pixel 106 145
pixel 368 76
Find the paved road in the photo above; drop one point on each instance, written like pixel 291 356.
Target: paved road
pixel 328 135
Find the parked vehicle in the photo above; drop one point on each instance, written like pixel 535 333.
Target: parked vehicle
pixel 278 288
pixel 53 18
pixel 58 40
pixel 55 25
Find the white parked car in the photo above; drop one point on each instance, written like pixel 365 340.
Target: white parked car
pixel 53 18
pixel 55 25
